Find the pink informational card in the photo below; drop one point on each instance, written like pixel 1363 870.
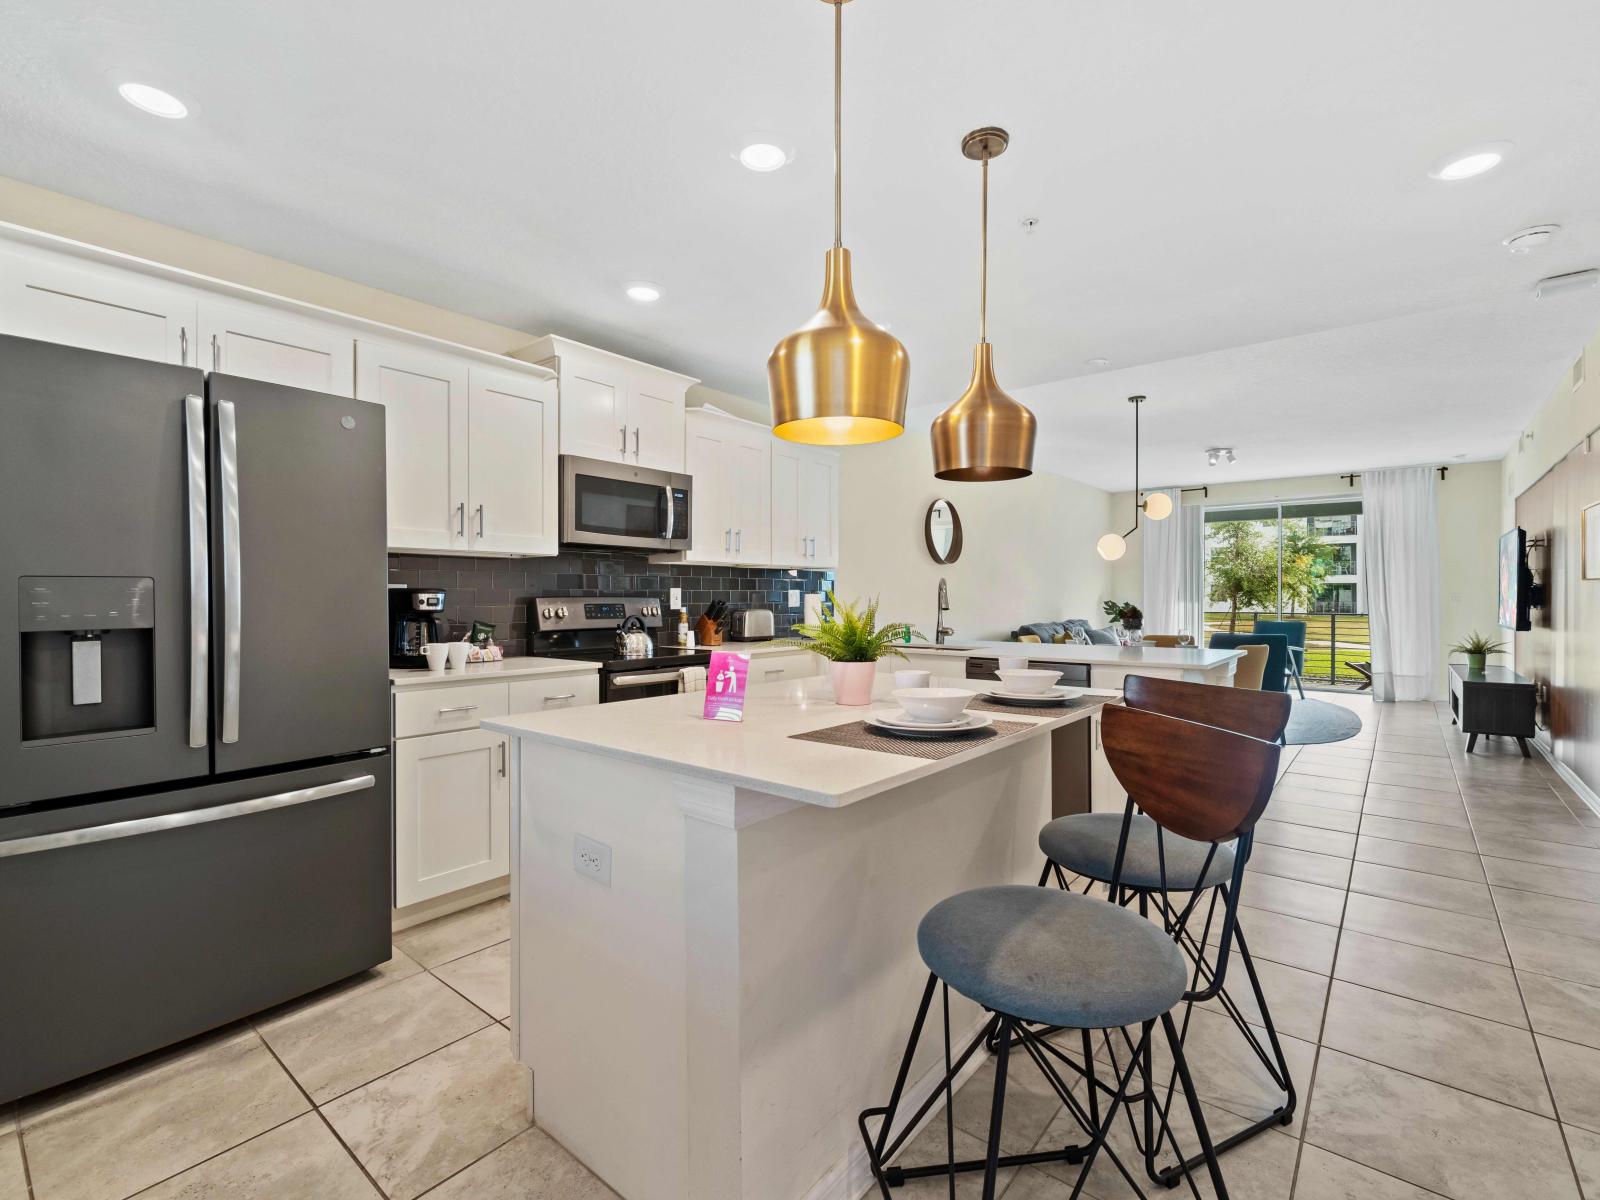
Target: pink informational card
pixel 726 679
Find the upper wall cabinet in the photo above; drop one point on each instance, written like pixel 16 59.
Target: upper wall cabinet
pixel 615 408
pixel 258 342
pixel 78 302
pixel 729 460
pixel 471 451
pixel 805 506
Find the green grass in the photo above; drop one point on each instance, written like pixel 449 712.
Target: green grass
pixel 1325 663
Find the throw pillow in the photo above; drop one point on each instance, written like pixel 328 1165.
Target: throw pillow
pixel 1104 637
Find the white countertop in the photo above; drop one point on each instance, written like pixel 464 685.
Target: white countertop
pixel 1106 656
pixel 507 668
pixel 759 752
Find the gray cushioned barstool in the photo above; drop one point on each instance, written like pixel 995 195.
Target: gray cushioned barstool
pixel 1037 957
pixel 1086 845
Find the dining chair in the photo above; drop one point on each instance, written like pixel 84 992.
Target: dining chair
pixel 1295 663
pixel 1249 670
pixel 1275 677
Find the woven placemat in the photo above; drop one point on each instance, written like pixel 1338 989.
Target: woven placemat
pixel 858 735
pixel 983 704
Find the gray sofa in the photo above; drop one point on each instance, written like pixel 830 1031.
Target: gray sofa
pixel 1074 629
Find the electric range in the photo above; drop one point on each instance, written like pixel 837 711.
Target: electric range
pixel 585 627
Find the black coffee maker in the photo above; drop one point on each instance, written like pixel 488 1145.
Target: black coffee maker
pixel 416 617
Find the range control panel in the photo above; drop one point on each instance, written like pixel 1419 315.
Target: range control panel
pixel 553 613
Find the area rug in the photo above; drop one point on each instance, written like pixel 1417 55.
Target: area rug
pixel 1315 721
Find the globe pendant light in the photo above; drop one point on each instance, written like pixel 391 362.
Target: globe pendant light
pixel 985 436
pixel 840 379
pixel 1157 505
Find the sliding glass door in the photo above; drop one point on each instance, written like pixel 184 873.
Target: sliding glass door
pixel 1293 560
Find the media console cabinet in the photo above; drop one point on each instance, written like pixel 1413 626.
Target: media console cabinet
pixel 1490 701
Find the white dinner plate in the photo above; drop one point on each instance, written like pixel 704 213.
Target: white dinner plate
pixel 899 722
pixel 1049 695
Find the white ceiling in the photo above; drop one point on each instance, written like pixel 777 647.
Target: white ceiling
pixel 1235 193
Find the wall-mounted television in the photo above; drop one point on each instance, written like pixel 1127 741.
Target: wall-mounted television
pixel 1516 582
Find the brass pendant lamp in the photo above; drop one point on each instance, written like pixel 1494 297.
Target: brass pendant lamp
pixel 985 436
pixel 840 379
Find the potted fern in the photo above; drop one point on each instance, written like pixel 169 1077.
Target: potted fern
pixel 850 639
pixel 1477 648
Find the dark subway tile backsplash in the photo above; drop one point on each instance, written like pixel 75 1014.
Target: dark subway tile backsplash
pixel 500 590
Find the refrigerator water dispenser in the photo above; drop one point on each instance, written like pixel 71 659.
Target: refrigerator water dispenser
pixel 88 656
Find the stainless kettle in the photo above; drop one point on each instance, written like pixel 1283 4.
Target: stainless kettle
pixel 632 640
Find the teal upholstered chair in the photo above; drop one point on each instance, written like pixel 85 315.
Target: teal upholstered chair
pixel 1275 677
pixel 1295 631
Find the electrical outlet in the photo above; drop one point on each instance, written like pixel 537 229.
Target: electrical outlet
pixel 592 858
pixel 794 599
pixel 674 597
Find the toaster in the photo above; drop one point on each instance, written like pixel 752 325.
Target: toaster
pixel 751 625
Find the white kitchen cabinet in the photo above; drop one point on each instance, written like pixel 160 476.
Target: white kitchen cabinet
pixel 729 460
pixel 55 298
pixel 1106 794
pixel 805 506
pixel 426 429
pixel 511 463
pixel 614 408
pixel 774 668
pixel 260 342
pixel 546 693
pixel 451 826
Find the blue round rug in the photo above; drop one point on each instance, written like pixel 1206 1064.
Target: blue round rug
pixel 1315 721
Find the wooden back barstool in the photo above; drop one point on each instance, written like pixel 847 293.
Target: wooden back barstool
pixel 1041 957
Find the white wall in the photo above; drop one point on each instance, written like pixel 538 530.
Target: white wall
pixel 1470 525
pixel 1029 544
pixel 1568 417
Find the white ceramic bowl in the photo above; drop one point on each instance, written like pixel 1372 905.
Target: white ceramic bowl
pixel 931 703
pixel 1029 681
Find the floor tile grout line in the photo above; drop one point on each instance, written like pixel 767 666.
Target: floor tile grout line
pixel 463 995
pixel 1538 1053
pixel 226 1150
pixel 433 1187
pixel 491 1024
pixel 22 1148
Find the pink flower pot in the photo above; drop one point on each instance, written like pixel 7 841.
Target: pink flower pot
pixel 852 681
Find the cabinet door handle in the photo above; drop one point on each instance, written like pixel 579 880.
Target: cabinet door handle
pixel 727 540
pixel 480 520
pixel 454 708
pixel 623 430
pixel 738 540
pixel 183 345
pixel 635 443
pixel 502 758
pixel 563 696
pixel 216 354
pixel 461 519
pixel 774 670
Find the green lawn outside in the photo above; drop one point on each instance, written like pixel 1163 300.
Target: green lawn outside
pixel 1325 663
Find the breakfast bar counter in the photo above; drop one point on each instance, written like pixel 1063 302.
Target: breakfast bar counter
pixel 714 924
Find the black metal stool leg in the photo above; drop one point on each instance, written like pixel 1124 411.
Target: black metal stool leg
pixel 1208 1153
pixel 997 1109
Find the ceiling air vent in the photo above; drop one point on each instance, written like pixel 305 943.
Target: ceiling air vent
pixel 1577 372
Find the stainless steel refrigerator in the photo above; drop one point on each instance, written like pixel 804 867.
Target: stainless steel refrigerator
pixel 194 713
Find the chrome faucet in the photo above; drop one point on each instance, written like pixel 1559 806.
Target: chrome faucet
pixel 941 630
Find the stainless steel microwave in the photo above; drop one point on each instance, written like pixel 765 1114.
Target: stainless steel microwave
pixel 614 504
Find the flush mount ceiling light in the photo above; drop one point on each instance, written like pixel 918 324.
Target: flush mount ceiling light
pixel 840 379
pixel 1157 506
pixel 1561 285
pixel 151 99
pixel 642 292
pixel 1097 362
pixel 1470 162
pixel 985 436
pixel 1530 238
pixel 763 157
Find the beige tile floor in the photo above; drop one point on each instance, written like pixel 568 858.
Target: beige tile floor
pixel 1427 927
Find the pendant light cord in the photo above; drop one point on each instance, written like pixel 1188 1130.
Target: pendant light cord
pixel 983 284
pixel 838 123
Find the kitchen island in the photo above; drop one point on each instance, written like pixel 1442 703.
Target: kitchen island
pixel 1097 666
pixel 714 960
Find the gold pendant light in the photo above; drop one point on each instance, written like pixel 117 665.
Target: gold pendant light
pixel 840 379
pixel 985 436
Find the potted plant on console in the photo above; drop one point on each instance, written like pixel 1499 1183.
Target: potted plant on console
pixel 1126 615
pixel 1477 648
pixel 850 639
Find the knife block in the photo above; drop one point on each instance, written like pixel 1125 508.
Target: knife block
pixel 705 632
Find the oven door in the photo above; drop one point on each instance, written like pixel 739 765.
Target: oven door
pixel 637 685
pixel 613 504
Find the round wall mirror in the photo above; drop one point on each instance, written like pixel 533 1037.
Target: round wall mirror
pixel 942 528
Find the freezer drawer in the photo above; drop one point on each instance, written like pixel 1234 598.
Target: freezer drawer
pixel 128 925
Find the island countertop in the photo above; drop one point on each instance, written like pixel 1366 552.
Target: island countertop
pixel 761 752
pixel 1169 657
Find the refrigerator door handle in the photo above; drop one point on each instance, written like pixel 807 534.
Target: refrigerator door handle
pixel 194 428
pixel 232 597
pixel 193 816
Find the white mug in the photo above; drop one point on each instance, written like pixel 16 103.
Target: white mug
pixel 912 679
pixel 1013 664
pixel 437 653
pixel 458 654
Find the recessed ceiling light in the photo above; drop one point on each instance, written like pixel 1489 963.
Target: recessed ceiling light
pixel 642 292
pixel 153 100
pixel 1097 362
pixel 1531 238
pixel 1470 162
pixel 764 156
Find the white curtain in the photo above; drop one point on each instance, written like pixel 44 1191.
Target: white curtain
pixel 1400 558
pixel 1174 570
